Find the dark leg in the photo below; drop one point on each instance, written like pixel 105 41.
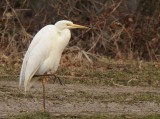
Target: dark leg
pixel 54 78
pixel 57 78
pixel 60 81
pixel 44 95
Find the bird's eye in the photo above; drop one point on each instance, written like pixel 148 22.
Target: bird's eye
pixel 68 24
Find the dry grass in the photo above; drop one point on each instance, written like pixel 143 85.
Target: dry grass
pixel 99 70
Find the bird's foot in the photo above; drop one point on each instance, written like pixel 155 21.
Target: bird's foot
pixel 56 78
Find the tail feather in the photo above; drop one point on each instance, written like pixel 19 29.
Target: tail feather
pixel 28 77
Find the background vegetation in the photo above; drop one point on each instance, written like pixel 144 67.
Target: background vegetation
pixel 121 29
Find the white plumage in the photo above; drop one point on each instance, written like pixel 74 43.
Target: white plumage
pixel 45 50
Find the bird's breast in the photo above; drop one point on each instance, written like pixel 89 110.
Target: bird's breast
pixel 50 63
pixel 57 44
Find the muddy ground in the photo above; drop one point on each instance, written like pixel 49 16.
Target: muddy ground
pixel 79 99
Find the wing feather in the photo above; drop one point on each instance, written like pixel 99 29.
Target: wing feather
pixel 37 53
pixel 34 42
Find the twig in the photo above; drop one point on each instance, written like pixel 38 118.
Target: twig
pixel 116 83
pixel 23 29
pixel 116 7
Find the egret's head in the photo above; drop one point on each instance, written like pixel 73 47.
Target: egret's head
pixel 64 24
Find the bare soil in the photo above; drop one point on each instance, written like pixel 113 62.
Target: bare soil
pixel 79 99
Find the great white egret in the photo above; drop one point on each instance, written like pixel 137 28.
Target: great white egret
pixel 44 52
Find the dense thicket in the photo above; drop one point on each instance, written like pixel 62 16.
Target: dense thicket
pixel 126 29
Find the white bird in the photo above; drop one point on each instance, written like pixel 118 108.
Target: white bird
pixel 44 52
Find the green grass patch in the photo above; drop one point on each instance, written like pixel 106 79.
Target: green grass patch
pixel 46 115
pixel 105 72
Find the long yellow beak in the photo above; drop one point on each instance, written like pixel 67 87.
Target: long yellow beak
pixel 78 26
